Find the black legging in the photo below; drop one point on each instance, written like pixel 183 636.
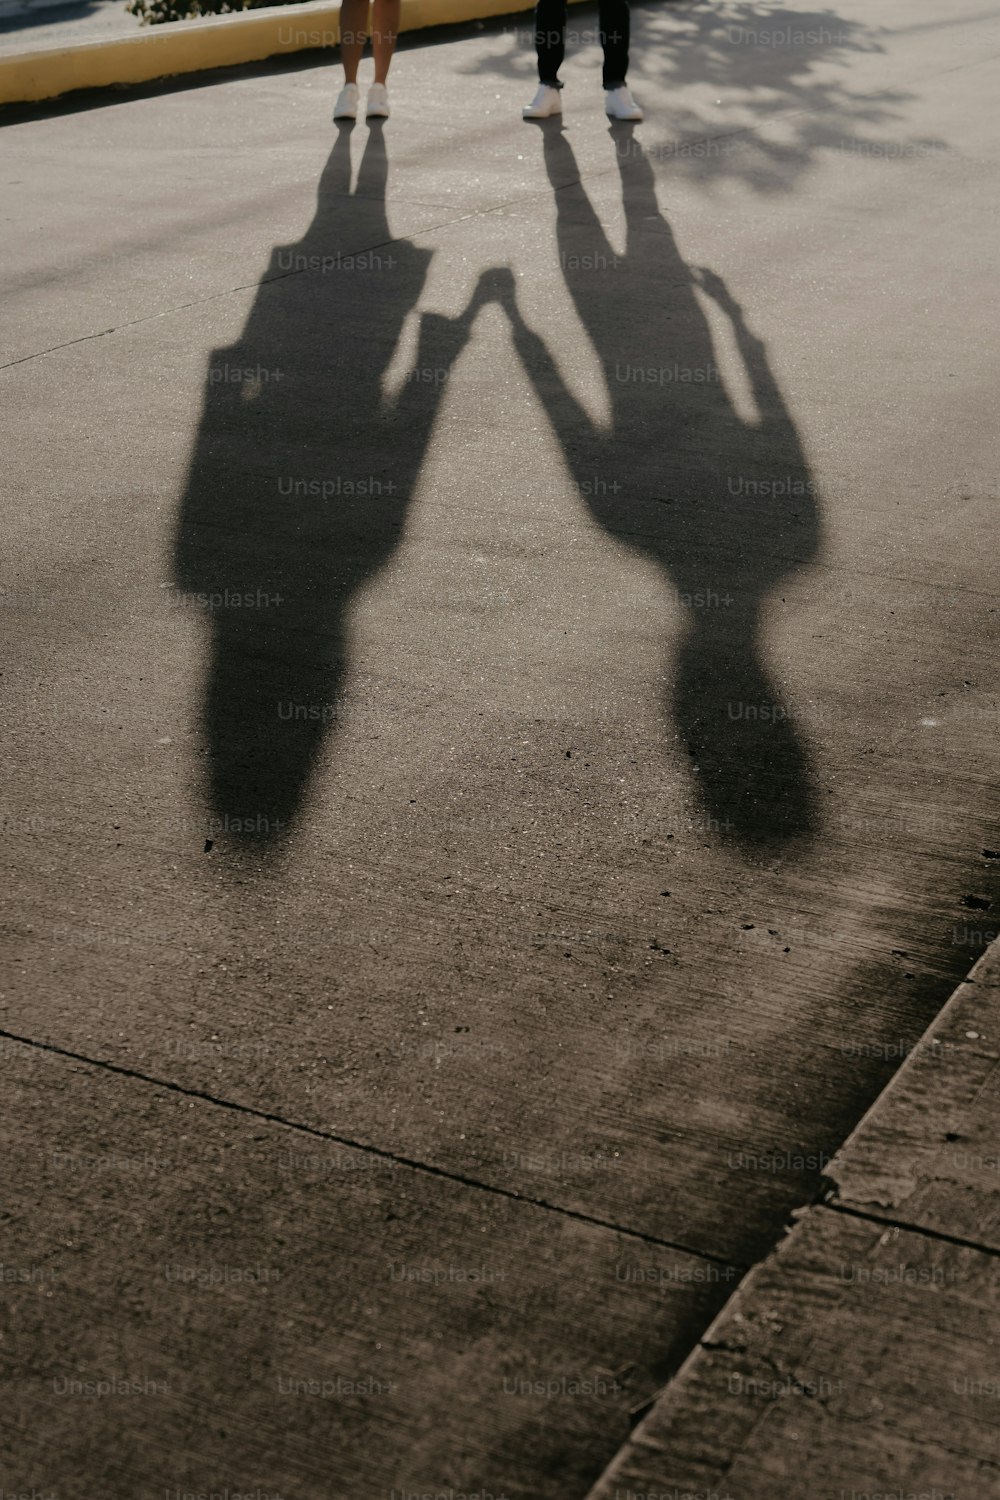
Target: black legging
pixel 550 40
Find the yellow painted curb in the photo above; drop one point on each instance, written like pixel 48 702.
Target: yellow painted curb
pixel 210 42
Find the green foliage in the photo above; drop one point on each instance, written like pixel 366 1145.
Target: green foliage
pixel 155 12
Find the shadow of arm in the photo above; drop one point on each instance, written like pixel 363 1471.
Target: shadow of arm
pixel 563 408
pixel 753 352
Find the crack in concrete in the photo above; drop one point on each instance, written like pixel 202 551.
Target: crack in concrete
pixel 404 1161
pixel 250 286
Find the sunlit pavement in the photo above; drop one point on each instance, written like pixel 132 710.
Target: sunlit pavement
pixel 502 725
pixel 42 23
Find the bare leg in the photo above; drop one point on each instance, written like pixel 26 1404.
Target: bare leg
pixel 384 34
pixel 353 28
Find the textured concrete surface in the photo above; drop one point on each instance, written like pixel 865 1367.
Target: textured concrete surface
pixel 632 736
pixel 860 1358
pixel 290 1315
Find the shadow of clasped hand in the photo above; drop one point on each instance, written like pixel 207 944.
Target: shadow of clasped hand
pixel 300 482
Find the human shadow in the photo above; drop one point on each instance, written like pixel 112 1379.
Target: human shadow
pixel 298 487
pixel 723 503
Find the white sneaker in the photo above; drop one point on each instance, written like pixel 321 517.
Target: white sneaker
pixel 378 102
pixel 619 104
pixel 346 107
pixel 548 101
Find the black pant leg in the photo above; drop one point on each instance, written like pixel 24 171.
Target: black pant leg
pixel 550 38
pixel 614 23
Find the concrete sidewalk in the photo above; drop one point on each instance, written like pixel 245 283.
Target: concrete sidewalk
pixel 861 1357
pixel 502 707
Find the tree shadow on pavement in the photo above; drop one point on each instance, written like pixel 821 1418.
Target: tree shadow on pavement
pixel 298 488
pixel 725 506
pixel 727 69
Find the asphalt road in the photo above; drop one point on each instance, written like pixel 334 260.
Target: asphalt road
pixel 501 710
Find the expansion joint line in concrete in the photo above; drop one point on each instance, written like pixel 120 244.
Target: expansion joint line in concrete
pixel 391 1156
pixel 249 286
pixel 906 1227
pixel 707 1345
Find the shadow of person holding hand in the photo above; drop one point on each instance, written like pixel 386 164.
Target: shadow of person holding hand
pixel 298 487
pixel 724 504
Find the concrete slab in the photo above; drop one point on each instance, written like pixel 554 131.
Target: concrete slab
pixel 861 1356
pixel 819 1376
pixel 210 1300
pixel 926 1156
pixel 590 888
